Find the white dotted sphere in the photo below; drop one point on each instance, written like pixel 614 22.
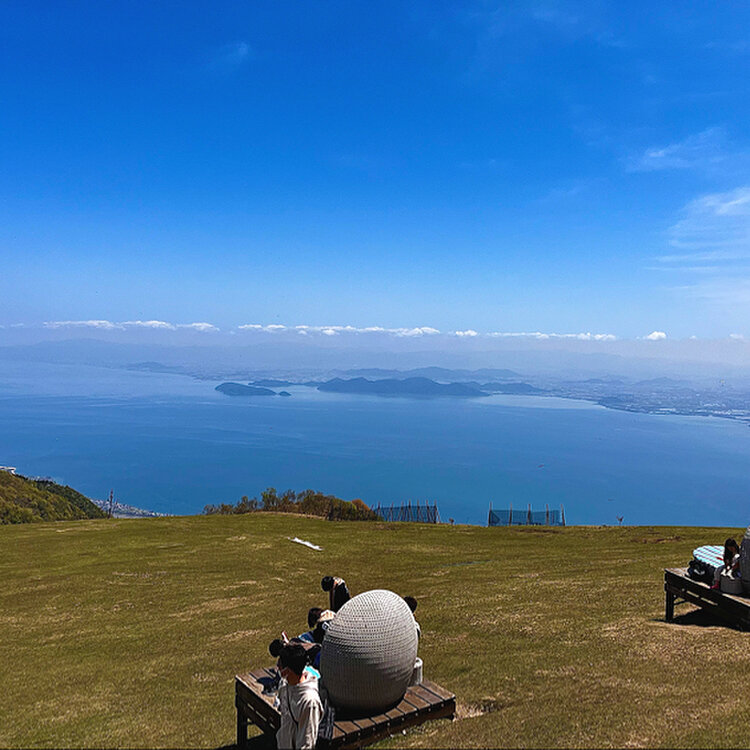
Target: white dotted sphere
pixel 369 651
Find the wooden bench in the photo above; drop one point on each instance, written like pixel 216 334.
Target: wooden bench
pixel 421 703
pixel 730 607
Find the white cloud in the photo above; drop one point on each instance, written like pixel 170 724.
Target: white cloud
pixel 704 150
pixel 736 336
pixel 335 330
pixel 713 227
pixel 101 324
pixel 108 325
pixel 150 324
pixel 271 328
pixel 205 327
pixel 656 336
pixel 330 330
pixel 423 331
pixel 542 336
pixel 712 238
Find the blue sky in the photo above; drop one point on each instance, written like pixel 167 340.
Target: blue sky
pixel 495 167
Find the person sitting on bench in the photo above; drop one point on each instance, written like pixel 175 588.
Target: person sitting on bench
pixel 299 700
pixel 312 620
pixel 731 561
pixel 319 632
pixel 338 592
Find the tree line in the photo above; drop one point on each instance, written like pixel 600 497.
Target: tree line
pixel 307 502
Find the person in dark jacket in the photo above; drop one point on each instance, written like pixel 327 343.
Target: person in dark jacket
pixel 337 591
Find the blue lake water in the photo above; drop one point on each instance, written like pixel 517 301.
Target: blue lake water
pixel 172 444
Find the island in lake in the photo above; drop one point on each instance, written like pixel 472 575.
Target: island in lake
pixel 237 389
pixel 406 387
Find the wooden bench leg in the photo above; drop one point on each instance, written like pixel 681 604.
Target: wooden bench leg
pixel 241 729
pixel 669 606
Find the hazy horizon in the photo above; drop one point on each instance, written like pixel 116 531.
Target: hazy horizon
pixel 213 351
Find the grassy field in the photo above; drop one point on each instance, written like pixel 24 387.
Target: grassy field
pixel 129 633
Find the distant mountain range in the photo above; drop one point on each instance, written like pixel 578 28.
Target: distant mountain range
pixel 406 387
pixel 436 373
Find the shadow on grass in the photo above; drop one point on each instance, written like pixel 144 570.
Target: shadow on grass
pixel 699 618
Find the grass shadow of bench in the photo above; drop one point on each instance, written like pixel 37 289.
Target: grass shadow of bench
pixel 699 618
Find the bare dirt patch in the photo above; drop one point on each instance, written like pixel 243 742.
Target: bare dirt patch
pixel 237 635
pixel 479 708
pixel 214 605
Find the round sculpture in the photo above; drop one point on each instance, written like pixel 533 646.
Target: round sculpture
pixel 369 652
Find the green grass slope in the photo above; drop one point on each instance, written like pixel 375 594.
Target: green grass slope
pixel 25 500
pixel 129 633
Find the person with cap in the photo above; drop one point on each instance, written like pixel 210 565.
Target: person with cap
pixel 299 700
pixel 337 590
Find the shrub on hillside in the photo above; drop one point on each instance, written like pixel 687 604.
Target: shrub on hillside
pixel 25 500
pixel 307 502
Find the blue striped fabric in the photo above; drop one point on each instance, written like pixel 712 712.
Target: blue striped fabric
pixel 710 554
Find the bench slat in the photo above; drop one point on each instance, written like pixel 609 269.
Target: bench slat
pixel 416 700
pixel 440 692
pixel 428 697
pixel 364 723
pixel 348 727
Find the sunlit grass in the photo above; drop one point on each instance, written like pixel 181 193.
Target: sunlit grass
pixel 129 633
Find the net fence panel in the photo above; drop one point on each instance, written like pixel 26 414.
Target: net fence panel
pixel 499 518
pixel 538 518
pixel 409 513
pixel 524 518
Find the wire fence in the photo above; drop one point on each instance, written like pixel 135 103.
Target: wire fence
pixel 416 513
pixel 526 517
